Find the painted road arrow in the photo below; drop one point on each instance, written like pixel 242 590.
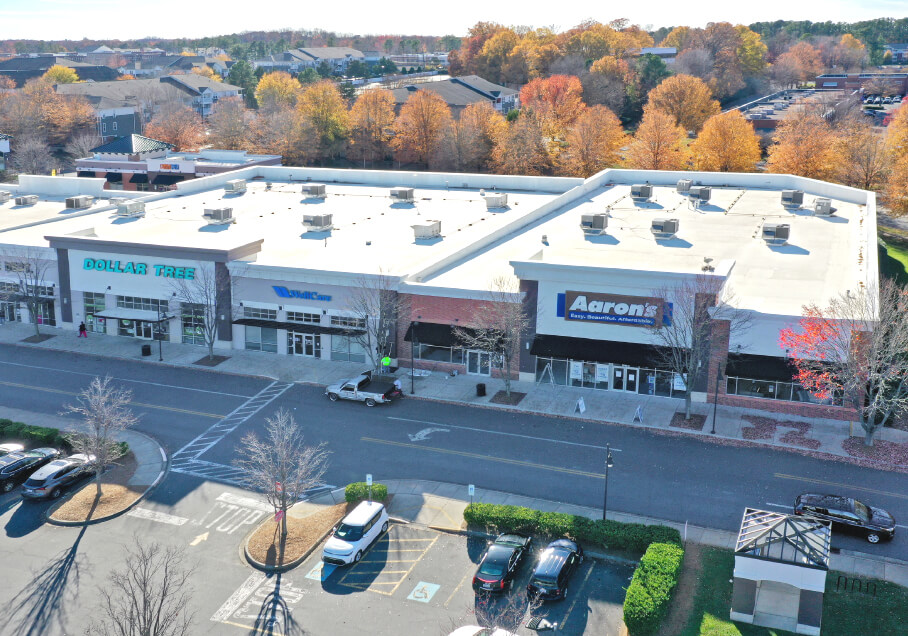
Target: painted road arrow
pixel 424 434
pixel 199 539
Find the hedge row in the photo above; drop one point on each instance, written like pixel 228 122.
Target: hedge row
pixel 358 490
pixel 612 535
pixel 39 436
pixel 650 591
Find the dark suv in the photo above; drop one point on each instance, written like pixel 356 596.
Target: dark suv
pixel 16 467
pixel 553 571
pixel 848 515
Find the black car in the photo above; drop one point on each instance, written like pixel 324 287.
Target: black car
pixel 848 515
pixel 17 467
pixel 499 563
pixel 556 565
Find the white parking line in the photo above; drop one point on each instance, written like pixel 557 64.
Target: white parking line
pixel 482 430
pixel 772 505
pixel 154 515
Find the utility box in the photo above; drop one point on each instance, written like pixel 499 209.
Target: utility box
pixel 641 192
pixel 823 207
pixel 403 195
pixel 4 196
pixel 792 198
pixel 684 186
pixel 318 222
pixel 80 202
pixel 428 230
pixel 594 223
pixel 314 190
pixel 497 200
pixel 219 216
pixel 27 199
pixel 131 208
pixel 235 186
pixel 665 228
pixel 776 233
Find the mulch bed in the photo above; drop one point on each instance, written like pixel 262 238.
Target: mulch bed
pixel 683 596
pixel 502 398
pixel 213 361
pixel 695 423
pixel 37 339
pixel 881 451
pixel 116 496
pixel 302 535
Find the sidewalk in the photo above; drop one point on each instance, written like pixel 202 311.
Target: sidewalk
pixel 732 423
pixel 439 505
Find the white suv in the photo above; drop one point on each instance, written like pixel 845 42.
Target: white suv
pixel 356 533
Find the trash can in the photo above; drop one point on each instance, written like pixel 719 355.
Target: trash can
pixel 146 349
pixel 480 390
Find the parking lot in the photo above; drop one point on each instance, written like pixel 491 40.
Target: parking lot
pixel 418 581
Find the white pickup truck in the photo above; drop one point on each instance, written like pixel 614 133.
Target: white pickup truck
pixel 363 388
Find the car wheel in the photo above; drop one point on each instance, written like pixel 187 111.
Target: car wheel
pixel 873 537
pixel 357 556
pixel 384 527
pixel 55 493
pixel 332 397
pixel 7 486
pixel 370 402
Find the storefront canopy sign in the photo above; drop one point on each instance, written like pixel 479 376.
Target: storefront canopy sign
pixel 141 269
pixel 636 311
pixel 283 292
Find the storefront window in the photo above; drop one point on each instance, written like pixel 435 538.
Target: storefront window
pixel 348 322
pixel 297 316
pixel 93 303
pixel 45 315
pixel 647 384
pixel 767 389
pixel 193 316
pixel 260 314
pixel 261 339
pixel 346 348
pixel 439 354
pixel 144 304
pixel 551 371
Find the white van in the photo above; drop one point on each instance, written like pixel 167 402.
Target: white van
pixel 359 529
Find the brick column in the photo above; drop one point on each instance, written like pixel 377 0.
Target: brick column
pixel 718 356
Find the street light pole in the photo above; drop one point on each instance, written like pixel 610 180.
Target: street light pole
pixel 608 464
pixel 716 397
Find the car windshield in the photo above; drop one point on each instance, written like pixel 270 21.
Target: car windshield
pixel 491 569
pixel 862 511
pixel 349 533
pixel 543 581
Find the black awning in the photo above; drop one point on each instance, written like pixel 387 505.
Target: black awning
pixel 754 367
pixel 139 178
pixel 629 353
pixel 85 173
pixel 296 326
pixel 114 177
pixel 435 334
pixel 167 179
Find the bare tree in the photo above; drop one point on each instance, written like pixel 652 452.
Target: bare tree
pixel 281 466
pixel 498 325
pixel 686 335
pixel 855 348
pixel 696 62
pixel 377 308
pixel 105 412
pixel 208 295
pixel 30 266
pixel 31 155
pixel 149 595
pixel 81 145
pixel 508 612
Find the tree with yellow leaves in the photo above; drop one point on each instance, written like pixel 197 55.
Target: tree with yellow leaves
pixel 522 149
pixel 658 143
pixel 804 145
pixel 323 105
pixel 751 52
pixel 207 71
pixel 863 156
pixel 555 101
pixel 468 142
pixel 126 76
pixel 592 143
pixel 420 126
pixel 727 143
pixel 686 98
pixel 897 133
pixel 896 193
pixel 679 38
pixel 58 74
pixel 277 90
pixel 850 52
pixel 371 121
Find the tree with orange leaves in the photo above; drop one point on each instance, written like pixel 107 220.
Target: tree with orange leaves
pixel 468 142
pixel 555 101
pixel 804 145
pixel 727 143
pixel 896 192
pixel 178 125
pixel 800 63
pixel 7 82
pixel 522 149
pixel 658 143
pixel 592 142
pixel 127 76
pixel 371 121
pixel 420 126
pixel 686 98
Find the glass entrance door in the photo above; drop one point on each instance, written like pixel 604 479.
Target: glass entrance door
pixel 136 329
pixel 630 383
pixel 305 344
pixel 479 363
pixel 9 312
pixel 625 379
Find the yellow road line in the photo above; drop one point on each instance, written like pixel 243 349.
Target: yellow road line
pixel 238 625
pixel 139 404
pixel 378 571
pixel 502 460
pixel 404 577
pixel 838 485
pixel 576 597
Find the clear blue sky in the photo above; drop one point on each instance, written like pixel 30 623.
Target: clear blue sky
pixel 108 19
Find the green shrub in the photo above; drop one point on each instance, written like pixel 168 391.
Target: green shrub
pixel 358 490
pixel 650 591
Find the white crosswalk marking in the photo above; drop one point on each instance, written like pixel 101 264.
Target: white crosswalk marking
pixel 154 515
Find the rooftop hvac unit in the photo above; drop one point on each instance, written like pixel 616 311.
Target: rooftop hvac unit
pixel 80 202
pixel 314 190
pixel 776 233
pixel 640 192
pixel 4 196
pixel 402 194
pixel 792 198
pixel 429 229
pixel 219 216
pixel 235 185
pixel 823 207
pixel 684 186
pixel 703 193
pixel 664 228
pixel 27 199
pixel 318 222
pixel 131 208
pixel 594 223
pixel 497 200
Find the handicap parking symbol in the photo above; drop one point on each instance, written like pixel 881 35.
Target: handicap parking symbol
pixel 321 572
pixel 423 592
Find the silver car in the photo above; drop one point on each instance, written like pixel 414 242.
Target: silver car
pixel 49 481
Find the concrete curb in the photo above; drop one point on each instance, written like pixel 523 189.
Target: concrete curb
pixel 274 569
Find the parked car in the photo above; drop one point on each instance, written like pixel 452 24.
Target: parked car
pixel 476 630
pixel 51 480
pixel 847 515
pixel 355 533
pixel 887 100
pixel 16 467
pixel 554 569
pixel 499 563
pixel 6 449
pixel 363 388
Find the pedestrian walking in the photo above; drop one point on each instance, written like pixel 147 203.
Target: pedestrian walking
pixel 83 332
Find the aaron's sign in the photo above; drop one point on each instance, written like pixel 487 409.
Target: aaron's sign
pixel 610 308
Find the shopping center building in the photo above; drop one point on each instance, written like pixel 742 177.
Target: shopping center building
pixel 285 250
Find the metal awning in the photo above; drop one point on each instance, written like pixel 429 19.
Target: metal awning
pixel 114 177
pixel 754 367
pixel 297 327
pixel 141 315
pixel 435 334
pixel 85 173
pixel 629 353
pixel 167 179
pixel 139 178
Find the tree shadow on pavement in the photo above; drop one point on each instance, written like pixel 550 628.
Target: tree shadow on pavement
pixel 274 616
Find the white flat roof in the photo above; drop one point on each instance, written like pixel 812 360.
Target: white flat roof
pixel 47 208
